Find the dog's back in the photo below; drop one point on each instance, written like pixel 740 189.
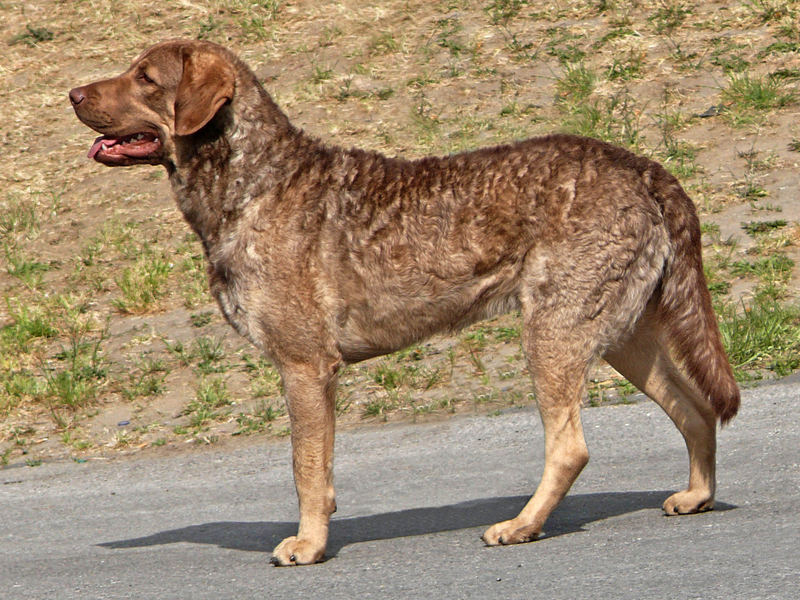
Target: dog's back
pixel 416 247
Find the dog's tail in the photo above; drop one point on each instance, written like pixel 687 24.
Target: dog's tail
pixel 685 303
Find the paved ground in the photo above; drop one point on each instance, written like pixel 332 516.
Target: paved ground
pixel 412 502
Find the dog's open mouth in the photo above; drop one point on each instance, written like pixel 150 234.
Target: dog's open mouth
pixel 138 147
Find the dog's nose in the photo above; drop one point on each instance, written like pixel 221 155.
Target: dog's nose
pixel 76 96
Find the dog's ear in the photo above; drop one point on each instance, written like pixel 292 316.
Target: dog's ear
pixel 207 83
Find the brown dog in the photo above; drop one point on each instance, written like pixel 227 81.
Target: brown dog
pixel 323 256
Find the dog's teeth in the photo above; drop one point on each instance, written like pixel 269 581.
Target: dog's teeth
pixel 104 147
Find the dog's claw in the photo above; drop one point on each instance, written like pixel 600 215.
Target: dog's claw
pixel 293 551
pixel 511 532
pixel 689 502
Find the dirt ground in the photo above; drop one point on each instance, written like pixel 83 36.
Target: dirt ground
pixel 89 370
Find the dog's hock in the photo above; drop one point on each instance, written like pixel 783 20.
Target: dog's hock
pixel 207 83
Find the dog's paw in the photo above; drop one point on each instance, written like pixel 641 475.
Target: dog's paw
pixel 295 551
pixel 688 502
pixel 510 532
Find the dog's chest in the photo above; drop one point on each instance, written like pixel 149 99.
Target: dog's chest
pixel 231 275
pixel 258 290
pixel 227 294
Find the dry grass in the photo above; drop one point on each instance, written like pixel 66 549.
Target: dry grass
pixel 403 77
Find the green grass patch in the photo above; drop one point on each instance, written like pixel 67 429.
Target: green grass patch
pixel 768 11
pixel 769 268
pixel 29 322
pixel 717 284
pixel 212 396
pixel 390 376
pixel 147 380
pixel 781 47
pixel 18 216
pixel 613 120
pixel 670 15
pixel 754 228
pixel 26 270
pixel 265 381
pixel 786 75
pixel 614 34
pixel 627 68
pixel 377 408
pixel 384 43
pixel 201 319
pixel 576 85
pixel 762 336
pixel 142 285
pixel 501 12
pixel 258 420
pixel 563 45
pixel 209 353
pixel 32 36
pixel 506 334
pixel 73 383
pixel 749 96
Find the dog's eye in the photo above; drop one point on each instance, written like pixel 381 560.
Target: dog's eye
pixel 143 76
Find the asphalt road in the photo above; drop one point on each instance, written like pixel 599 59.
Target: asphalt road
pixel 413 501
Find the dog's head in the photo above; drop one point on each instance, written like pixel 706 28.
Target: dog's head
pixel 173 89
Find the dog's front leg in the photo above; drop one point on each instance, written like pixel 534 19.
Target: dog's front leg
pixel 310 393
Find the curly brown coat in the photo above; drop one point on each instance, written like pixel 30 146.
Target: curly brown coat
pixel 323 256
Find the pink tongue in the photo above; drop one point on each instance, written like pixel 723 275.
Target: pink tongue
pixel 98 143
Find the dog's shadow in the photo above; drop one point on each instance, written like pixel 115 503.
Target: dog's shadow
pixel 571 515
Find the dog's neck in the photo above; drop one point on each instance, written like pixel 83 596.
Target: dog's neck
pixel 242 154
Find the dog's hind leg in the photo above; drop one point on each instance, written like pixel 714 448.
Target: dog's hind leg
pixel 559 367
pixel 310 392
pixel 646 361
